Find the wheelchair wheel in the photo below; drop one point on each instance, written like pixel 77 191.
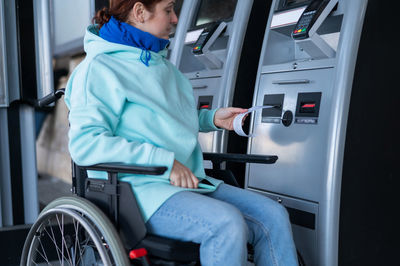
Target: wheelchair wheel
pixel 73 231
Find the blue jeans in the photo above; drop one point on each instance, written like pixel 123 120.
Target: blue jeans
pixel 223 222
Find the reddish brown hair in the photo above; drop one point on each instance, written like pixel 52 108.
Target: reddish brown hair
pixel 120 10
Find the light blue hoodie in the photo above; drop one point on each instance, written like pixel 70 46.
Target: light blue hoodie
pixel 122 111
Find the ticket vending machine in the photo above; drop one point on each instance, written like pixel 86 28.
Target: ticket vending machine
pixel 211 54
pixel 25 75
pixel 312 74
pixel 20 74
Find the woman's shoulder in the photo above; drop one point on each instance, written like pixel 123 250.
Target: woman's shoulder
pixel 89 68
pixel 89 79
pixel 172 68
pixel 102 68
pixel 180 77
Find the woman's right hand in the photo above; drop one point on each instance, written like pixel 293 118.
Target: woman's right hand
pixel 181 176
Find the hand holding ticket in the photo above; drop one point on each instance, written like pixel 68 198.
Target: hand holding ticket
pixel 237 122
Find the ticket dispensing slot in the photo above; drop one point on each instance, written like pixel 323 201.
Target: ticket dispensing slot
pixel 305 31
pixel 272 115
pixel 307 109
pixel 205 102
pixel 205 41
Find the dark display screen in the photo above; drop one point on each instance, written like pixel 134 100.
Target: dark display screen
pixel 215 10
pixel 314 5
pixel 178 7
pixel 290 3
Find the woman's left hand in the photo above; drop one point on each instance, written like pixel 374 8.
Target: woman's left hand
pixel 224 117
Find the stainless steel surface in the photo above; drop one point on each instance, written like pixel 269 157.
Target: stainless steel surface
pixel 44 51
pixel 5 176
pixel 29 170
pixel 227 48
pixel 3 60
pixel 309 169
pixel 185 17
pixel 293 81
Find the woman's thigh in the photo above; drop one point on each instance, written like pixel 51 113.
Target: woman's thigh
pixel 255 208
pixel 248 202
pixel 190 216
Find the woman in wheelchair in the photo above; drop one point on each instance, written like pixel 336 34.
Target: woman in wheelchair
pixel 129 105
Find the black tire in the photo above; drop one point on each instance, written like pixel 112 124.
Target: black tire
pixel 72 231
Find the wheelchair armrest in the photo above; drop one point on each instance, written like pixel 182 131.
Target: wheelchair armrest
pixel 226 175
pixel 129 169
pixel 79 174
pixel 115 197
pixel 50 98
pixel 218 158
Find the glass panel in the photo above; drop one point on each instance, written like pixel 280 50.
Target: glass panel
pixel 178 7
pixel 3 97
pixel 290 3
pixel 215 10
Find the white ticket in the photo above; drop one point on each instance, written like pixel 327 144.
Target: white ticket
pixel 237 122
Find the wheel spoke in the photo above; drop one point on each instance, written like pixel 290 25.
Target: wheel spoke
pixel 58 250
pixel 44 252
pixel 76 246
pixel 78 249
pixel 43 255
pixel 87 236
pixel 53 239
pixel 64 243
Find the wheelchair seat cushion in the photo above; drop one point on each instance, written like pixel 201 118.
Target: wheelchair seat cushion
pixel 170 249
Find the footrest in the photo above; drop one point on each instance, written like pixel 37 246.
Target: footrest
pixel 170 249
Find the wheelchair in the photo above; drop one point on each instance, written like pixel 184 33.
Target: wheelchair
pixel 101 223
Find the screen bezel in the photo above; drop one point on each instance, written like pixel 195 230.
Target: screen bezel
pixel 193 25
pixel 283 5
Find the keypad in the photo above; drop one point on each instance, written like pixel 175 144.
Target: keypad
pixel 200 42
pixel 304 22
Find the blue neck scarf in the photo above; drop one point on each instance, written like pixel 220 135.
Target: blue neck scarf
pixel 123 33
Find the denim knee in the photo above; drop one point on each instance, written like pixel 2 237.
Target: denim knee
pixel 278 216
pixel 227 242
pixel 231 221
pixel 281 211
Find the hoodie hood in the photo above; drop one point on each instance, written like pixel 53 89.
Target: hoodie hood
pixel 95 45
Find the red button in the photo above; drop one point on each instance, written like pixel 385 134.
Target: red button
pixel 309 105
pixel 137 253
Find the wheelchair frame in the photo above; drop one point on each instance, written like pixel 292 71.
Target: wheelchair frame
pixel 103 203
